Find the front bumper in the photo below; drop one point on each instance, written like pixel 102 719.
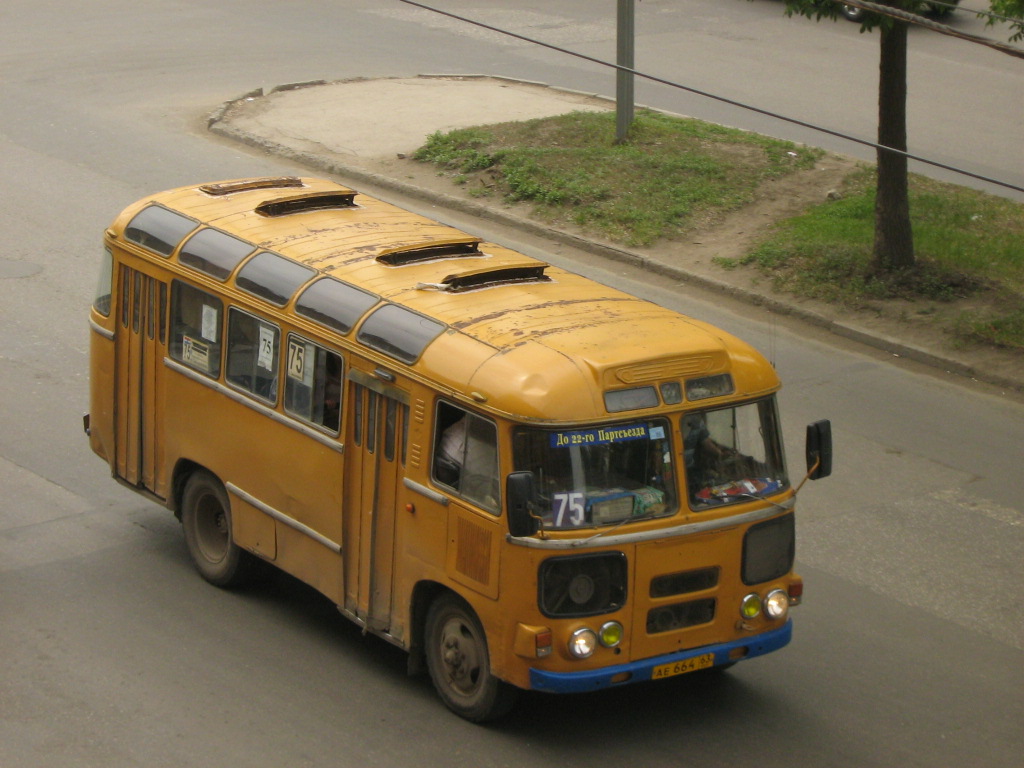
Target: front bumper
pixel 640 671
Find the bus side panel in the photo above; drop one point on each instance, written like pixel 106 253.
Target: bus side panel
pixel 280 468
pixel 254 529
pixel 310 562
pixel 301 478
pixel 474 550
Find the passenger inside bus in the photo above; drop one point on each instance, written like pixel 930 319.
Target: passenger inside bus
pixel 451 452
pixel 727 458
pixel 466 455
pixel 332 393
pixel 701 454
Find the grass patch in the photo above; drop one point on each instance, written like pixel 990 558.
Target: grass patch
pixel 1006 330
pixel 670 176
pixel 969 245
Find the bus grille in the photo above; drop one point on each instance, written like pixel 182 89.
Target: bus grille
pixel 666 618
pixel 685 582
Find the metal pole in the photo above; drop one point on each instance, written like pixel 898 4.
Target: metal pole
pixel 624 79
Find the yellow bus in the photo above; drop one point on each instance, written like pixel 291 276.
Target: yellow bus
pixel 526 479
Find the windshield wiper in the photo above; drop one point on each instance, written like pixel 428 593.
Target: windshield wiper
pixel 761 497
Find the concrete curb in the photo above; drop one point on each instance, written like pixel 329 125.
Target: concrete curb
pixel 216 124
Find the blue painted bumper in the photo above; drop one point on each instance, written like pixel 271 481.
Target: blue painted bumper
pixel 639 671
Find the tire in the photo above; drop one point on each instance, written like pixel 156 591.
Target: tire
pixel 459 664
pixel 206 520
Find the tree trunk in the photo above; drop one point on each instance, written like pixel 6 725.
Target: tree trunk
pixel 894 243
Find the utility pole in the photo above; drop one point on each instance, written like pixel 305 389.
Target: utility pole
pixel 624 78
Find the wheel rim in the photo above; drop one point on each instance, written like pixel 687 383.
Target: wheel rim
pixel 461 656
pixel 211 528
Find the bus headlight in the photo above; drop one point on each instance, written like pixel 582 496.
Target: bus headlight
pixel 582 643
pixel 750 608
pixel 610 634
pixel 776 604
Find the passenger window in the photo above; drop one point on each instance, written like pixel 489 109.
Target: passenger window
pixel 105 285
pixel 158 229
pixel 253 346
pixel 466 455
pixel 312 388
pixel 195 328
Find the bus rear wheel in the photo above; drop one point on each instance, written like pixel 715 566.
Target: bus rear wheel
pixel 459 664
pixel 206 520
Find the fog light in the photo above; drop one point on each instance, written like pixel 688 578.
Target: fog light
pixel 750 608
pixel 611 634
pixel 776 604
pixel 582 643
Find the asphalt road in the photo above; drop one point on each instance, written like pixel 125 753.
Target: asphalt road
pixel 908 649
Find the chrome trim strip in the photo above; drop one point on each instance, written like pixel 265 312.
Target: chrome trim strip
pixel 101 330
pixel 283 518
pixel 238 397
pixel 421 489
pixel 687 529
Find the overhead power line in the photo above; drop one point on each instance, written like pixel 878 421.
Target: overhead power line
pixel 720 99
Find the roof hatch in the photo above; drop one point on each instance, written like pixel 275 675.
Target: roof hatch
pixel 437 249
pixel 508 274
pixel 247 185
pixel 314 201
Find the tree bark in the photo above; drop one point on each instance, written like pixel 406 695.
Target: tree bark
pixel 894 243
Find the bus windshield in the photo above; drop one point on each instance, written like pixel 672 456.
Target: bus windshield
pixel 732 454
pixel 599 475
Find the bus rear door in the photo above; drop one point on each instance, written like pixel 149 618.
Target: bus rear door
pixel 140 340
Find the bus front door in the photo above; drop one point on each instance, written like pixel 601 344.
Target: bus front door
pixel 375 455
pixel 141 335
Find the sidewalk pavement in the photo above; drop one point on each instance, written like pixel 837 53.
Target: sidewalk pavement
pixel 364 129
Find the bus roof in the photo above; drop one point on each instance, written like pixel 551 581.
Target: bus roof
pixel 523 337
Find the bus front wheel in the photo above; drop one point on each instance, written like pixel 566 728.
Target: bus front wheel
pixel 206 520
pixel 459 664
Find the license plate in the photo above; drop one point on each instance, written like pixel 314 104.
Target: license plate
pixel 682 667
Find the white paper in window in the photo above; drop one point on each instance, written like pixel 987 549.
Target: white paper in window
pixel 209 329
pixel 265 359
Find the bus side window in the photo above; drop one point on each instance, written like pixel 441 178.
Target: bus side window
pixel 195 328
pixel 253 351
pixel 104 288
pixel 312 388
pixel 466 455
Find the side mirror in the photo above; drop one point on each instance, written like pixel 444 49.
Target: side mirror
pixel 520 494
pixel 819 449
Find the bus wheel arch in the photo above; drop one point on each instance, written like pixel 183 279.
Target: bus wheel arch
pixel 458 660
pixel 423 594
pixel 205 511
pixel 183 470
